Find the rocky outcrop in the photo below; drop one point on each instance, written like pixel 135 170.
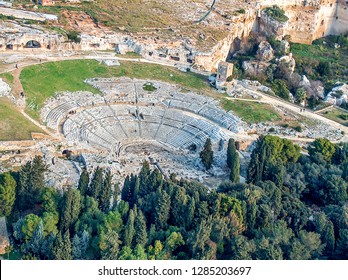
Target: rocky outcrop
pixel 338 95
pixel 265 51
pixel 289 62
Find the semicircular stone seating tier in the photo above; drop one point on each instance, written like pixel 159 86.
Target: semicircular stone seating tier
pixel 126 110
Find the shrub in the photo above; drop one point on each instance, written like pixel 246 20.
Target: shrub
pixel 276 13
pixel 74 36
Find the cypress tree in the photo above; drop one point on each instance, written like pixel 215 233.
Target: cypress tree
pixel 106 192
pixel 190 212
pixel 140 234
pixel 143 178
pixel 67 246
pixel 7 194
pixel 36 240
pixel 70 209
pixel 126 190
pixel 233 161
pixel 162 209
pixel 76 248
pixel 83 182
pixel 58 247
pixel 31 183
pixel 116 194
pixel 129 229
pixel 136 189
pixel 231 150
pixel 96 184
pixel 178 207
pixel 84 243
pixel 329 238
pixel 110 245
pixel 207 154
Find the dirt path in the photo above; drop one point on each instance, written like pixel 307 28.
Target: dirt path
pixel 306 113
pixel 17 85
pixel 32 60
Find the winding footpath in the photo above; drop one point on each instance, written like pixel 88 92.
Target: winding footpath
pixel 29 59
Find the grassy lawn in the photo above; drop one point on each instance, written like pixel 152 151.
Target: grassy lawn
pixel 7 77
pixel 322 50
pixel 251 112
pixel 13 126
pixel 336 115
pixel 42 81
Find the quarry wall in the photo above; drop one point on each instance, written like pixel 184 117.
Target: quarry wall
pixel 308 20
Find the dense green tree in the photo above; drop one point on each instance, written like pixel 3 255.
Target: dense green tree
pixel 270 152
pixel 280 88
pixel 242 248
pixel 178 206
pixel 115 196
pixel 139 253
pixel 129 229
pixel 322 146
pixel 36 241
pixel 110 245
pixel 342 245
pixel 50 222
pixel 126 253
pixel 324 68
pixel 207 154
pixel 233 161
pixel 7 194
pixel 83 182
pixel 300 95
pixel 162 209
pixel 200 240
pixel 126 190
pixel 96 185
pixel 140 233
pixel 62 247
pixel 70 209
pixel 47 247
pixel 31 182
pixel 50 202
pixel 190 212
pixel 143 178
pixel 106 192
pixel 28 226
pixel 76 248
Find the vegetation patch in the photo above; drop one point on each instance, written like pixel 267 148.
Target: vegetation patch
pixel 326 60
pixel 13 126
pixel 7 77
pixel 44 80
pixel 336 115
pixel 276 13
pixel 149 87
pixel 251 112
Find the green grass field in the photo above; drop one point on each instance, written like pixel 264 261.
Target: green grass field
pixel 251 112
pixel 323 50
pixel 13 126
pixel 7 77
pixel 42 81
pixel 336 115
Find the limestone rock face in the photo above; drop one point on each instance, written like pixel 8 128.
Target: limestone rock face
pixel 285 46
pixel 255 68
pixel 289 61
pixel 338 95
pixel 305 82
pixel 265 51
pixel 4 88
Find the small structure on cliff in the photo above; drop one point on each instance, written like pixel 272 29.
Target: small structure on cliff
pixel 225 70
